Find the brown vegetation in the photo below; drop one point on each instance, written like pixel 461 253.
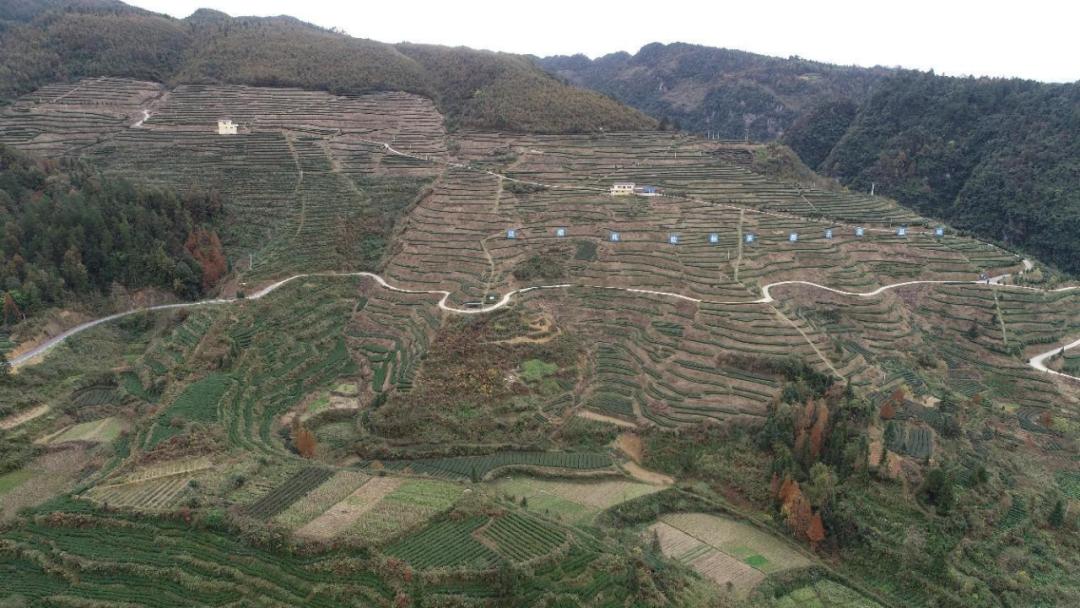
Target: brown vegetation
pixel 205 246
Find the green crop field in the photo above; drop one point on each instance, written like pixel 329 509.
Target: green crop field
pixel 198 403
pixel 446 544
pixel 480 466
pixel 332 491
pixel 403 509
pixel 284 495
pixel 522 538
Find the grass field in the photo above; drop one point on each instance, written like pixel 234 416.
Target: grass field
pixel 341 515
pixel 14 420
pixel 95 431
pixel 708 561
pixel 743 541
pixel 12 480
pixel 575 501
pixel 41 479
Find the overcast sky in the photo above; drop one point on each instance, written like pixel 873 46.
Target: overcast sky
pixel 1028 38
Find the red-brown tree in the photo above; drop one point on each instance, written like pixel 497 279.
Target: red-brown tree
pixel 205 246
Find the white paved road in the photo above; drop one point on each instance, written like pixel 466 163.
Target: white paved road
pixel 1036 362
pixel 29 356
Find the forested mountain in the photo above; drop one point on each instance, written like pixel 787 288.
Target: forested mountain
pixel 43 42
pixel 730 93
pixel 70 232
pixel 998 157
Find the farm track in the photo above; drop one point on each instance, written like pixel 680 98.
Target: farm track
pixel 22 417
pixel 1036 362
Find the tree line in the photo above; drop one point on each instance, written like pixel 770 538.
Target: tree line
pixel 67 231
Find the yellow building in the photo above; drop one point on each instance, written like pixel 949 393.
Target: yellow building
pixel 622 189
pixel 226 127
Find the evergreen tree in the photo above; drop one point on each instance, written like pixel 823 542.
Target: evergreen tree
pixel 1057 516
pixel 972 332
pixel 938 491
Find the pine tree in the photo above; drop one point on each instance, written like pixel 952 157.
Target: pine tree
pixel 1057 516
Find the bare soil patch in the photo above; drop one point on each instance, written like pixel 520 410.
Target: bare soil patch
pixel 591 415
pixel 631 445
pixel 638 472
pixel 26 415
pixel 340 517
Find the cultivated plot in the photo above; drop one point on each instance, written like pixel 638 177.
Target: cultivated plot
pixel 725 550
pixel 573 501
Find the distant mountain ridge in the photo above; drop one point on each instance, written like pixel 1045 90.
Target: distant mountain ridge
pixel 44 41
pixel 729 93
pixel 999 157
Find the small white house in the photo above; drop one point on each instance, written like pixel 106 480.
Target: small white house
pixel 226 127
pixel 622 189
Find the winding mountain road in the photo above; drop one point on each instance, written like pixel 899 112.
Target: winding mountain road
pixel 1037 362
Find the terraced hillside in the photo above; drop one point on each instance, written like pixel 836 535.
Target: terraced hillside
pixel 314 181
pixel 319 151
pixel 374 438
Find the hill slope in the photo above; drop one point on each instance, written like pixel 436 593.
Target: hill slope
pixel 47 42
pixel 988 155
pixel 881 417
